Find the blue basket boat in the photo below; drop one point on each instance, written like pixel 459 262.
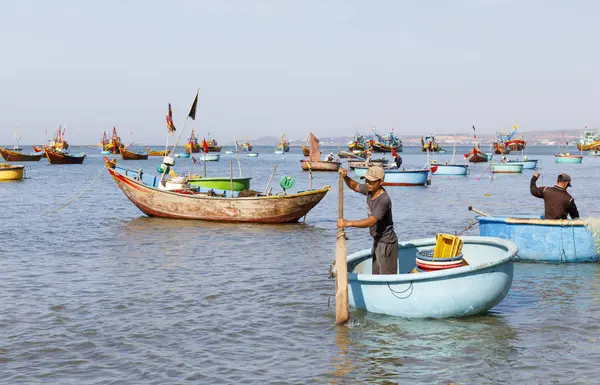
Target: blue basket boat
pixel 457 292
pixel 399 177
pixel 544 240
pixel 449 169
pixel 528 164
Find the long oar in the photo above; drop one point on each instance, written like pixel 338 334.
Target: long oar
pixel 471 208
pixel 342 314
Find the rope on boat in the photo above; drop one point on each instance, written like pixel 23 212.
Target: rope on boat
pixel 395 293
pixel 78 195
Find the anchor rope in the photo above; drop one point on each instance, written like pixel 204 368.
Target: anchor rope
pixel 78 195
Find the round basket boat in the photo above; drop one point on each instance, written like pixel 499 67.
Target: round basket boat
pixel 457 292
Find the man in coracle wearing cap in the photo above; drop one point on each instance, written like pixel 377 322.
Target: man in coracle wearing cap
pixel 379 219
pixel 557 201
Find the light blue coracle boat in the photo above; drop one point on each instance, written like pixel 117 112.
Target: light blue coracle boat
pixel 449 169
pixel 457 292
pixel 395 177
pixel 528 164
pixel 545 240
pixel 507 168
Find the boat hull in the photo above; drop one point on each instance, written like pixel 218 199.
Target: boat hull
pixel 321 165
pixel 305 151
pixel 61 158
pixel 542 240
pixel 568 159
pixel 399 177
pixel 130 155
pixel 593 146
pixel 11 172
pixel 383 148
pixel 450 293
pixel 224 183
pixel 252 155
pixel 170 204
pixel 207 157
pixel 530 164
pixel 507 168
pixel 157 153
pixel 449 169
pixel 13 156
pixel 516 145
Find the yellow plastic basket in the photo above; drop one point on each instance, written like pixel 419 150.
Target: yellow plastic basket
pixel 447 245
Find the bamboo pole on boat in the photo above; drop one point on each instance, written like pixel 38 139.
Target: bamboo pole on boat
pixel 471 208
pixel 205 163
pixel 269 183
pixel 237 152
pixel 231 176
pixel 342 314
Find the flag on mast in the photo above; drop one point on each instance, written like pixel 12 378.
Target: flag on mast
pixel 205 146
pixel 169 117
pixel 192 113
pixel 474 133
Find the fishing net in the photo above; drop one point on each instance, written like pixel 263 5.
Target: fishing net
pixel 593 226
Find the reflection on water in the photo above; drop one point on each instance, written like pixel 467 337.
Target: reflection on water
pixel 98 293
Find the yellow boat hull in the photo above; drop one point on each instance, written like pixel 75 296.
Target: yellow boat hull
pixel 11 172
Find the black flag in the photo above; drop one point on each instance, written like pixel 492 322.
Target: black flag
pixel 192 113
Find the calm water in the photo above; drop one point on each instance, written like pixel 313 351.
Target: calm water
pixel 97 293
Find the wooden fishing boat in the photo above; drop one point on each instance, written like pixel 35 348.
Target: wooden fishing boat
pixel 352 164
pixel 395 177
pixel 428 144
pixel 143 190
pixel 305 150
pixel 57 157
pixel 11 171
pixel 458 292
pixel 12 156
pixel 589 141
pixel 246 146
pixel 357 143
pixel 213 146
pixel 40 149
pixel 157 153
pixel 314 162
pixel 192 144
pixel 476 156
pixel 517 144
pixel 546 240
pixel 321 165
pixel 500 148
pixel 507 168
pixel 223 183
pixel 568 158
pixel 385 143
pixel 130 155
pixel 114 143
pixel 283 146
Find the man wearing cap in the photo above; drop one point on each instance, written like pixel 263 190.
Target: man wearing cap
pixel 379 220
pixel 557 201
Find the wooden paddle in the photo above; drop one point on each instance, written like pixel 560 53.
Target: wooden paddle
pixel 342 314
pixel 471 208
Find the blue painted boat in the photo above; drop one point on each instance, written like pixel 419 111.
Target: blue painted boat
pixel 544 240
pixel 105 152
pixel 568 158
pixel 507 168
pixel 528 164
pixel 399 177
pixel 457 292
pixel 449 169
pixel 182 155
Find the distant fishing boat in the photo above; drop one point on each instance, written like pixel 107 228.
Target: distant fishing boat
pixel 428 143
pixel 58 144
pixel 450 168
pixel 182 155
pixel 545 240
pixel 476 156
pixel 283 146
pixel 513 142
pixel 192 145
pixel 589 141
pixel 246 146
pixel 130 155
pixel 213 146
pixel 357 143
pixel 568 158
pixel 457 292
pixel 252 155
pixel 305 150
pixel 13 156
pixel 395 177
pixel 528 164
pixel 352 164
pixel 114 143
pixel 208 157
pixel 58 157
pixel 385 143
pixel 11 171
pixel 314 162
pixel 157 153
pixel 143 190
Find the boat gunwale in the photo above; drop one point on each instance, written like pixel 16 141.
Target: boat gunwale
pixel 395 171
pixel 511 250
pixel 533 220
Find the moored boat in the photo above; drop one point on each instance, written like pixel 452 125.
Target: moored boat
pixel 192 144
pixel 305 150
pixel 222 183
pixel 568 158
pixel 182 155
pixel 589 141
pixel 545 240
pixel 205 157
pixel 11 171
pixel 428 144
pixel 528 164
pixel 246 146
pixel 507 168
pixel 399 177
pixel 458 292
pixel 499 147
pixel 130 155
pixel 476 156
pixel 252 155
pixel 157 153
pixel 143 190
pixel 13 156
pixel 357 143
pixel 449 169
pixel 283 146
pixel 321 165
pixel 352 164
pixel 58 157
pixel 114 143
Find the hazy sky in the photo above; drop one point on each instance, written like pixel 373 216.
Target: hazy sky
pixel 270 66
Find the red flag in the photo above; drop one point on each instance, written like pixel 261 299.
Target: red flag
pixel 394 153
pixel 474 133
pixel 205 146
pixel 169 117
pixel 433 169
